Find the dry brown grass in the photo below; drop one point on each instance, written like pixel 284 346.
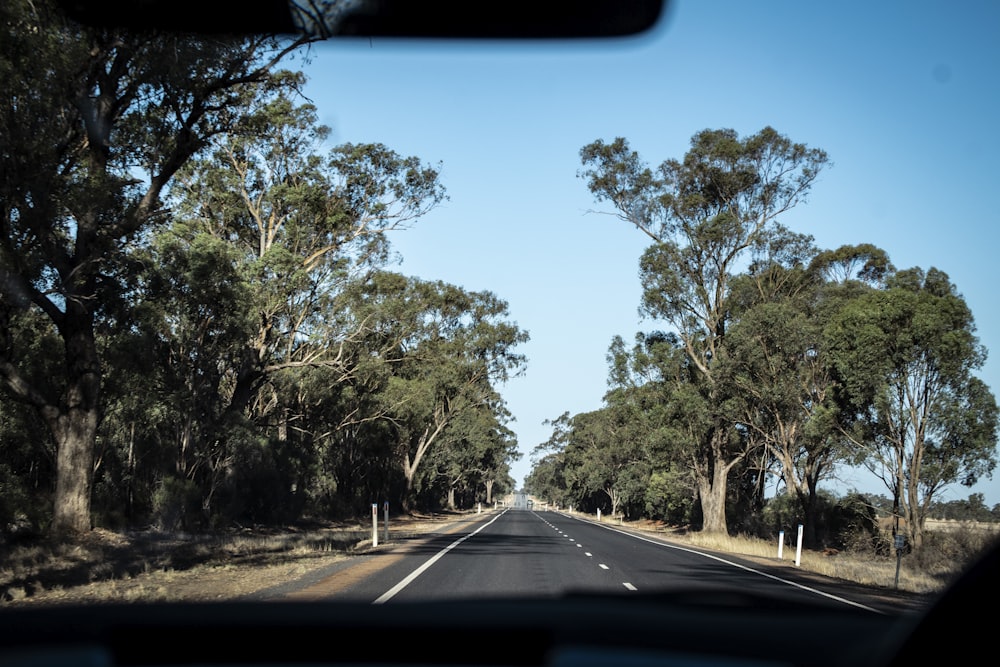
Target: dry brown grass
pixel 103 566
pixel 946 555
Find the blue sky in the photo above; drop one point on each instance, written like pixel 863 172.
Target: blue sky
pixel 902 96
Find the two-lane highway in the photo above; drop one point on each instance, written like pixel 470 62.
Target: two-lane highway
pixel 525 553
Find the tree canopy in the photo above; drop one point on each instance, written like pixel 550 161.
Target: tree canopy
pixel 776 359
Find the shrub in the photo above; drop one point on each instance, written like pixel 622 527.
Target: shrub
pixel 177 505
pixel 668 497
pixel 854 526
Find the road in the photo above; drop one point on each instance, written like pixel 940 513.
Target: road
pixel 525 553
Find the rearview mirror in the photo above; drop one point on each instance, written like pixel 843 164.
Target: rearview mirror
pixel 504 19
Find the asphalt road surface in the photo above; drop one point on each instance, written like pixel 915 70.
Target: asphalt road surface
pixel 524 553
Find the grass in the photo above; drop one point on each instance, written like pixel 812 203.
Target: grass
pixel 944 555
pixel 149 565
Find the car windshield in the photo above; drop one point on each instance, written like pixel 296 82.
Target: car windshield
pixel 287 319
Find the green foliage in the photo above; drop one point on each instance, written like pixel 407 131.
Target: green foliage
pixel 670 497
pixel 245 356
pixel 782 512
pixel 972 508
pixel 905 358
pixel 794 358
pixel 853 526
pixel 96 124
pixel 707 214
pixel 846 523
pixel 177 505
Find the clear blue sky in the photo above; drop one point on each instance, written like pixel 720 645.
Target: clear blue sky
pixel 902 95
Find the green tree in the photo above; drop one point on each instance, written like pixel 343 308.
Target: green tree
pixel 780 367
pixel 95 124
pixel 704 214
pixel 304 225
pixel 547 478
pixel 436 351
pixel 250 289
pixel 906 357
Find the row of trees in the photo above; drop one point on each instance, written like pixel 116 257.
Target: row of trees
pixel 972 508
pixel 198 320
pixel 779 358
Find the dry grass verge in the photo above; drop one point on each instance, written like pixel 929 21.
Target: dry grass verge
pixel 103 566
pixel 929 572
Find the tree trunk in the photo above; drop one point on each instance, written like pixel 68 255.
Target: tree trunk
pixel 489 491
pixel 74 429
pixel 712 493
pixel 810 514
pixel 712 481
pixel 75 437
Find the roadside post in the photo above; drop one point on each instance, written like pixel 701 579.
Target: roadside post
pixel 798 547
pixel 781 543
pixel 899 542
pixel 374 524
pixel 598 515
pixel 386 509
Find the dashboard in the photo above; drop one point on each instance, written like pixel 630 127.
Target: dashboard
pixel 567 632
pixel 683 628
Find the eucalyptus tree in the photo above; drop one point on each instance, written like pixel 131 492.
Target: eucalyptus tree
pixel 657 376
pixel 475 450
pixel 547 478
pixel 95 124
pixel 602 455
pixel 304 221
pixel 429 352
pixel 906 357
pixel 704 215
pixel 778 364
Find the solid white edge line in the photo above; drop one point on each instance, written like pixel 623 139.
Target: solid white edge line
pixel 736 565
pixel 391 593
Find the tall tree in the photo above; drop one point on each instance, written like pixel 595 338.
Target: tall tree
pixel 305 222
pixel 441 351
pixel 704 214
pixel 778 362
pixel 293 225
pixel 906 358
pixel 95 124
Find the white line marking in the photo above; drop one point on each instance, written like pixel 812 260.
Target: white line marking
pixel 736 565
pixel 579 545
pixel 589 555
pixel 391 593
pixel 603 566
pixel 629 586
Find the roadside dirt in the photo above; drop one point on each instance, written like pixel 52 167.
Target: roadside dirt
pixel 107 567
